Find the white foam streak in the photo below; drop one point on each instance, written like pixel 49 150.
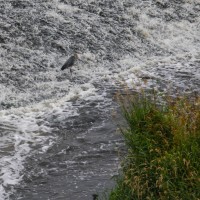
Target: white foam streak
pixel 22 128
pixel 15 145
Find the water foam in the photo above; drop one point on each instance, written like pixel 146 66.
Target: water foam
pixel 127 42
pixel 26 127
pixel 19 133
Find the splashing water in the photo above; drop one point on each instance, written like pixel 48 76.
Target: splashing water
pixel 141 43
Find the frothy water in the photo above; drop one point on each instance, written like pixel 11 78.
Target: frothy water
pixel 18 135
pixel 152 44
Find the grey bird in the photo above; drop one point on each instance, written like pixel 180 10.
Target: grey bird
pixel 70 62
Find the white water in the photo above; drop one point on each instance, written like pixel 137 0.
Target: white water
pixel 24 129
pixel 117 42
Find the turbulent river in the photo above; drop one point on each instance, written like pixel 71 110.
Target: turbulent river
pixel 58 139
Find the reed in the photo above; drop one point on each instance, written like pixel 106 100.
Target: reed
pixel 163 142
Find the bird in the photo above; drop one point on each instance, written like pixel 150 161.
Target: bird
pixel 70 62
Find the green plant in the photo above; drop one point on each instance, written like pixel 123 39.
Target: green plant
pixel 163 140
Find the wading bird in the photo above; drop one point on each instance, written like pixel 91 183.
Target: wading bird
pixel 70 62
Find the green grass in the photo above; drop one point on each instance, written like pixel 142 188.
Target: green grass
pixel 163 141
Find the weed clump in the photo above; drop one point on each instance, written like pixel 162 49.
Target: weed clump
pixel 163 141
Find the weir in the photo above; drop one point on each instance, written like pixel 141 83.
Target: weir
pixel 58 139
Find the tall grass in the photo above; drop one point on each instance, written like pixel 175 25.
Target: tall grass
pixel 163 140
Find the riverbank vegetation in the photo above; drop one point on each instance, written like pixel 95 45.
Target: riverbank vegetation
pixel 163 142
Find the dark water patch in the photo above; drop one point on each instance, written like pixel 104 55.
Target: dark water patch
pixel 82 161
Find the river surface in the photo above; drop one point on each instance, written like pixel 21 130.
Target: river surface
pixel 58 137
